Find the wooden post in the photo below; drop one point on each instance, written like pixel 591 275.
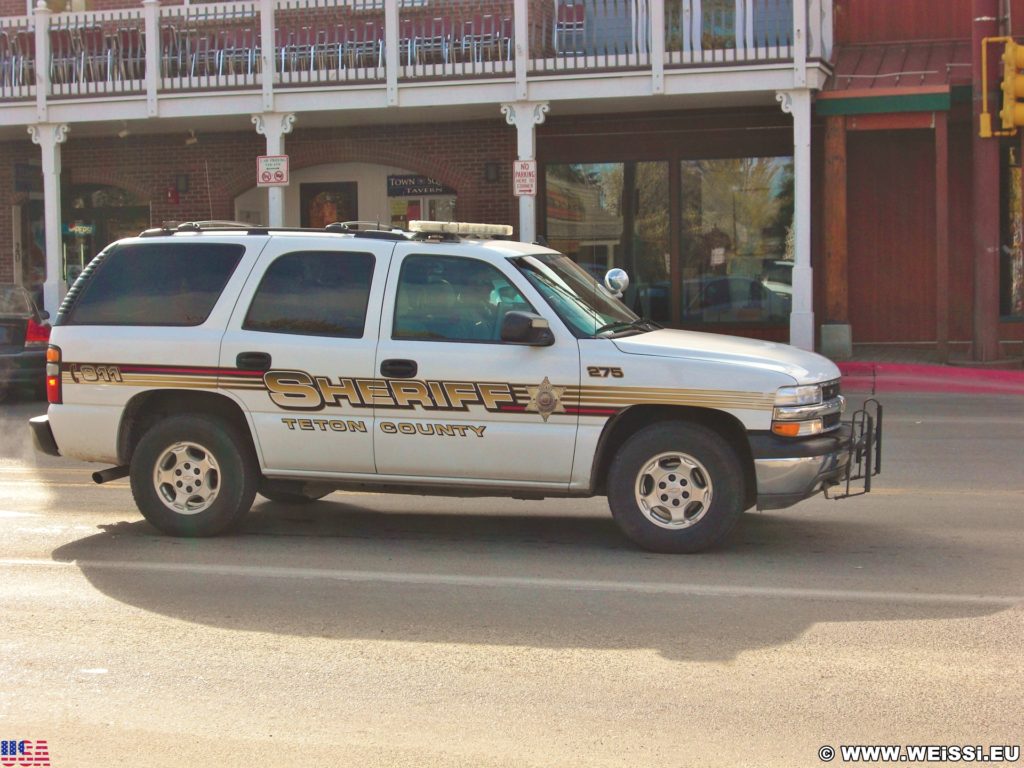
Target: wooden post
pixel 942 235
pixel 837 294
pixel 985 200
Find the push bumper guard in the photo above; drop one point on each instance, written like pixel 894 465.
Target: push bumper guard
pixel 865 452
pixel 839 464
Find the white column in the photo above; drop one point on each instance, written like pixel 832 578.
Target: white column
pixel 42 40
pixel 49 137
pixel 391 50
pixel 526 116
pixel 657 40
pixel 521 43
pixel 801 321
pixel 268 53
pixel 800 43
pixel 274 125
pixel 151 16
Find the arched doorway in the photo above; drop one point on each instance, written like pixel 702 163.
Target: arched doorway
pixel 95 215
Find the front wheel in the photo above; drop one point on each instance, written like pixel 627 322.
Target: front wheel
pixel 193 476
pixel 676 488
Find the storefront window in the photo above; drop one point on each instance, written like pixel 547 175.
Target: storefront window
pixel 95 216
pixel 606 215
pixel 736 240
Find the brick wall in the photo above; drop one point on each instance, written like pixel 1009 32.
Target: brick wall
pixel 453 153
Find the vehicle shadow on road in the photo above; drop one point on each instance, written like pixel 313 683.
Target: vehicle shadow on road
pixel 265 581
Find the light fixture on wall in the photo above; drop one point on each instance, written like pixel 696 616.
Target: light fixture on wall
pixel 192 138
pixel 491 172
pixel 124 132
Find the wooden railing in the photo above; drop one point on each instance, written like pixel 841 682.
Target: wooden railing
pixel 234 45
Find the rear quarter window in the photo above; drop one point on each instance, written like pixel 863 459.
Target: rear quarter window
pixel 313 293
pixel 155 284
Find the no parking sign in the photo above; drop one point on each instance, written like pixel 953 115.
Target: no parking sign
pixel 272 171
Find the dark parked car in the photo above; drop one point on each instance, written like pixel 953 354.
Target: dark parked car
pixel 24 334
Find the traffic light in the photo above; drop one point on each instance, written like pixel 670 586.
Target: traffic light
pixel 1012 113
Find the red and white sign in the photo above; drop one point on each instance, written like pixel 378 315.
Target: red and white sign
pixel 524 178
pixel 272 171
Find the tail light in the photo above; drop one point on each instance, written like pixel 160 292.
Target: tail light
pixel 36 334
pixel 54 395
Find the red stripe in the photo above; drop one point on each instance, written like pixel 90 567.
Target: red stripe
pixel 592 411
pixel 513 408
pixel 190 371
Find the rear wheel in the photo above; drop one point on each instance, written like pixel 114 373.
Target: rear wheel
pixel 193 476
pixel 676 487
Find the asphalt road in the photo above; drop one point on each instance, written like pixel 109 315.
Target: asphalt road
pixel 376 630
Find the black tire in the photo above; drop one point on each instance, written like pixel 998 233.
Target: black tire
pixel 227 463
pixel 286 492
pixel 711 471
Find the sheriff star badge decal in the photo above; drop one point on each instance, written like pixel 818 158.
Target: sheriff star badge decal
pixel 545 399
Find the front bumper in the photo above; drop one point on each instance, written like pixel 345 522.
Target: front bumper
pixel 789 471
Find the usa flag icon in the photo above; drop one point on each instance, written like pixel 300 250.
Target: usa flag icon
pixel 23 753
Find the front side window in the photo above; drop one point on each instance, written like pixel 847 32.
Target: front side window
pixel 313 293
pixel 156 284
pixel 577 298
pixel 448 298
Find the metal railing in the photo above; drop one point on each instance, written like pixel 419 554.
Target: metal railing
pixel 229 45
pixel 706 32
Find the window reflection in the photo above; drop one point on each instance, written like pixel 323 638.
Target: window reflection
pixel 606 215
pixel 736 240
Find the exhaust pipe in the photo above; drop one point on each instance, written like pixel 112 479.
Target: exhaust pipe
pixel 106 475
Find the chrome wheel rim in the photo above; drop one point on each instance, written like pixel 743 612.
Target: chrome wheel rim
pixel 673 490
pixel 187 478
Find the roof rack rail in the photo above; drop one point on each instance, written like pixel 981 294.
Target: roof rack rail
pixel 370 229
pixel 199 226
pixel 171 227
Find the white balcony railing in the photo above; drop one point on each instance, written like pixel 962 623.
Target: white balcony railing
pixel 233 45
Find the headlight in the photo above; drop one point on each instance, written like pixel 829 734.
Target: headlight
pixel 804 412
pixel 806 395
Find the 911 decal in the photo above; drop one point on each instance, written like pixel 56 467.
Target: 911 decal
pixel 92 374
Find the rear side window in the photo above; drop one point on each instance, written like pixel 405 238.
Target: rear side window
pixel 156 284
pixel 313 293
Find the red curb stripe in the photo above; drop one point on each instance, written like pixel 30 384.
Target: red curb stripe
pixel 905 377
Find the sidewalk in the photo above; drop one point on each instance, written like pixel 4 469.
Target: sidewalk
pixel 879 368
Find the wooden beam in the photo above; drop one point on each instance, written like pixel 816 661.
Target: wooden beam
pixel 837 295
pixel 898 121
pixel 942 297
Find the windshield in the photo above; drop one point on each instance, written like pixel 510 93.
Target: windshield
pixel 578 299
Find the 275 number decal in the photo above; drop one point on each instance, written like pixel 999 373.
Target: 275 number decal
pixel 599 372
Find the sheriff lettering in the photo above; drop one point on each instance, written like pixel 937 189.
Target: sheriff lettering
pixel 301 391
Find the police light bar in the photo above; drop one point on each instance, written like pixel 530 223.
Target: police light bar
pixel 462 228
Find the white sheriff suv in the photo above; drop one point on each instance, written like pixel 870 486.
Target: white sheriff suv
pixel 214 361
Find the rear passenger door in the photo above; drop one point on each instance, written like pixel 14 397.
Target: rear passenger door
pixel 302 340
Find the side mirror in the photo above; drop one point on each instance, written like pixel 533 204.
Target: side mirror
pixel 526 328
pixel 616 281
